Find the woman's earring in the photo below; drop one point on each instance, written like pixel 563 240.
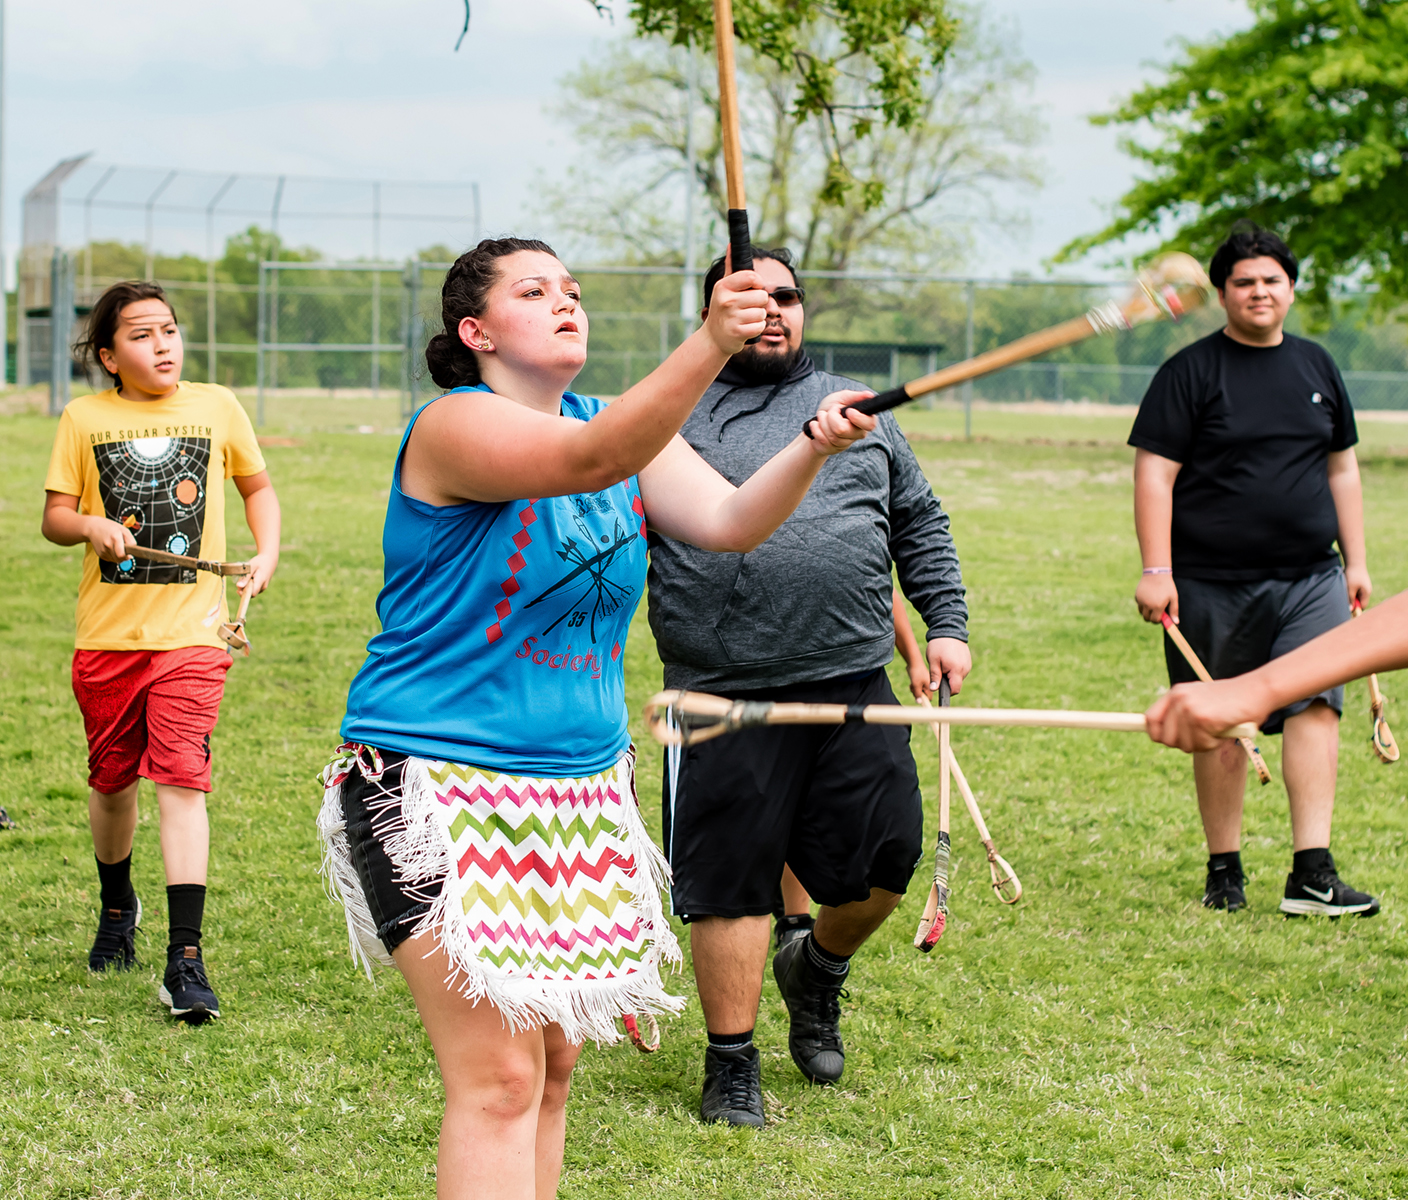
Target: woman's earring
pixel 484 343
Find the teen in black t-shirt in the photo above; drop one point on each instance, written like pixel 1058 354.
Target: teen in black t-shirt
pixel 1253 427
pixel 1245 478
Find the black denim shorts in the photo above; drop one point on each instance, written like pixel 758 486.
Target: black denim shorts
pixel 394 906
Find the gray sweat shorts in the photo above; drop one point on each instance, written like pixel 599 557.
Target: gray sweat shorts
pixel 1237 627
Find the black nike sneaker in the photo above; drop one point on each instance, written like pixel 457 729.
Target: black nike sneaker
pixel 733 1088
pixel 814 1003
pixel 115 944
pixel 185 990
pixel 789 929
pixel 1322 893
pixel 1225 888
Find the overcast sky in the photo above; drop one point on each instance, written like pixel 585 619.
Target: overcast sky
pixel 366 89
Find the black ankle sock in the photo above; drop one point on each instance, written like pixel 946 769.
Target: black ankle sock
pixel 1312 862
pixel 185 903
pixel 731 1043
pixel 822 959
pixel 115 882
pixel 1231 860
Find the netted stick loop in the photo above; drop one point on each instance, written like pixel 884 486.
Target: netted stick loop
pixel 638 1040
pixel 1004 879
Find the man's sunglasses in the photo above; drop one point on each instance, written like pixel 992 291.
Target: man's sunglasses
pixel 786 297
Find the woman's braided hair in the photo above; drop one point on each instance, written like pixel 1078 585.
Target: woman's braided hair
pixel 453 364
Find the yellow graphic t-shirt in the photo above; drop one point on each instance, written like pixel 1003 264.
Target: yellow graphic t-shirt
pixel 159 468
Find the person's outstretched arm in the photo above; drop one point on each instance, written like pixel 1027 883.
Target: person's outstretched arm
pixel 1154 476
pixel 1191 715
pixel 482 446
pixel 686 499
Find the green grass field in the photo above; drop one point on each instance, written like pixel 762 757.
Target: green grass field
pixel 1107 1037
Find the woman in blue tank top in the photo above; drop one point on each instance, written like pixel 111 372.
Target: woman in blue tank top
pixel 479 821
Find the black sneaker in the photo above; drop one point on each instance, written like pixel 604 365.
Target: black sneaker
pixel 115 944
pixel 1324 894
pixel 814 1003
pixel 1225 888
pixel 790 928
pixel 733 1088
pixel 186 990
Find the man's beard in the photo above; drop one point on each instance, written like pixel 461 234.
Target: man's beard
pixel 766 366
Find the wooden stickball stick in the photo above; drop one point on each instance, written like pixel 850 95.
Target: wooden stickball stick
pixel 233 631
pixel 1173 286
pixel 935 917
pixel 1004 879
pixel 214 566
pixel 1384 745
pixel 740 240
pixel 725 716
pixel 1190 657
pixel 740 244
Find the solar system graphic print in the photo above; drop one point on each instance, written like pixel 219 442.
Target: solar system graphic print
pixel 155 486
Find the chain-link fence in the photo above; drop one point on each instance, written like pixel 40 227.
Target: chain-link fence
pixel 341 328
pixel 204 234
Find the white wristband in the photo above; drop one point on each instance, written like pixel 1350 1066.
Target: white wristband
pixel 1158 571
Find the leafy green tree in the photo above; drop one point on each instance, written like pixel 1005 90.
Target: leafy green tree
pixel 865 73
pixel 921 188
pixel 1299 123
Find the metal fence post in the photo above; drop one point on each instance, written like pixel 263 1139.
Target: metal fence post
pixel 376 334
pixel 414 339
pixel 60 332
pixel 271 321
pixel 931 364
pixel 969 298
pixel 403 395
pixel 261 331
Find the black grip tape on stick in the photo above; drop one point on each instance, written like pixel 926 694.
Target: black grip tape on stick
pixel 882 402
pixel 740 246
pixel 740 241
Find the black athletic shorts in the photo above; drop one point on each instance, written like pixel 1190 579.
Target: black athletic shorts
pixel 840 804
pixel 1237 627
pixel 394 909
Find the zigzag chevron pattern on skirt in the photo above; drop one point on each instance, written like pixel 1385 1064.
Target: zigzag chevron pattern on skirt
pixel 543 872
pixel 545 893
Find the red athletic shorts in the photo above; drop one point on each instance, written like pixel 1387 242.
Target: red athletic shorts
pixel 149 713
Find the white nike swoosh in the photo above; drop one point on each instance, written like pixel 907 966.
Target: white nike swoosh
pixel 1325 896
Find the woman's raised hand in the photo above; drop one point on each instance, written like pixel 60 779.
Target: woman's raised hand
pixel 832 432
pixel 738 310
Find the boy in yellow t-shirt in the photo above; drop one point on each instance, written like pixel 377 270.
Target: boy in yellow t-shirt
pixel 144 464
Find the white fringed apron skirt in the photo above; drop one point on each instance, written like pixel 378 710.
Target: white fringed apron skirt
pixel 544 893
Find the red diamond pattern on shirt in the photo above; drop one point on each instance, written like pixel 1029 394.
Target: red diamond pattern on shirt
pixel 515 562
pixel 639 509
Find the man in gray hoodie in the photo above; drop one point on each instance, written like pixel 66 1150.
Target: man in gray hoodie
pixel 805 617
